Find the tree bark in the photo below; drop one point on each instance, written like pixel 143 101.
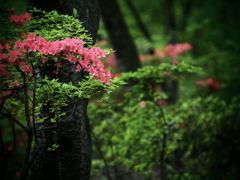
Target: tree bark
pixel 170 20
pixel 138 20
pixel 121 40
pixel 72 159
pixel 171 27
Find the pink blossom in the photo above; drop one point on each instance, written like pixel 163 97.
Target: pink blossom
pixel 6 93
pixel 99 52
pixel 3 71
pixel 105 80
pixel 158 88
pixel 7 47
pixel 93 71
pixel 88 54
pixel 159 53
pixel 43 59
pixel 71 58
pixel 173 50
pixel 9 147
pixel 20 19
pixel 3 56
pixel 58 64
pixel 2 67
pixel 102 42
pixel 34 48
pixel 84 64
pixel 116 75
pixel 25 68
pixel 31 36
pixel 14 83
pixel 71 49
pixel 98 104
pixel 217 85
pixel 98 64
pixel 17 44
pixel 40 40
pixel 111 61
pixel 78 68
pixel 142 104
pixel 209 83
pixel 162 102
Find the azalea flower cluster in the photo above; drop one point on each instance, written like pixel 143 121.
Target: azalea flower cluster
pixel 20 19
pixel 209 83
pixel 71 49
pixel 173 50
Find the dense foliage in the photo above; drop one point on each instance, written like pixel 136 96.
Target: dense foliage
pixel 141 135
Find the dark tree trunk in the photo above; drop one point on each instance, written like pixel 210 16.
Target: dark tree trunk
pixel 72 159
pixel 172 89
pixel 187 6
pixel 121 40
pixel 170 21
pixel 138 20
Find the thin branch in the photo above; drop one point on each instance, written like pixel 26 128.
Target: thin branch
pixel 27 115
pixel 14 136
pixel 26 169
pixel 33 108
pixel 4 99
pixel 14 120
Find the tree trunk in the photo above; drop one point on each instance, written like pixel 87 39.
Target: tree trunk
pixel 72 159
pixel 171 27
pixel 138 20
pixel 121 40
pixel 170 20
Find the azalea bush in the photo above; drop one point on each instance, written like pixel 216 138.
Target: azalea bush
pixel 24 90
pixel 143 136
pixel 208 145
pixel 139 131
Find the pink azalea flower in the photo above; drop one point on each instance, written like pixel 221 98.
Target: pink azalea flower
pixel 142 104
pixel 78 68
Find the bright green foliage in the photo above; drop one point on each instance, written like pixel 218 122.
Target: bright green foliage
pixel 53 148
pixel 53 26
pixel 190 139
pixel 136 132
pixel 59 94
pixel 193 139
